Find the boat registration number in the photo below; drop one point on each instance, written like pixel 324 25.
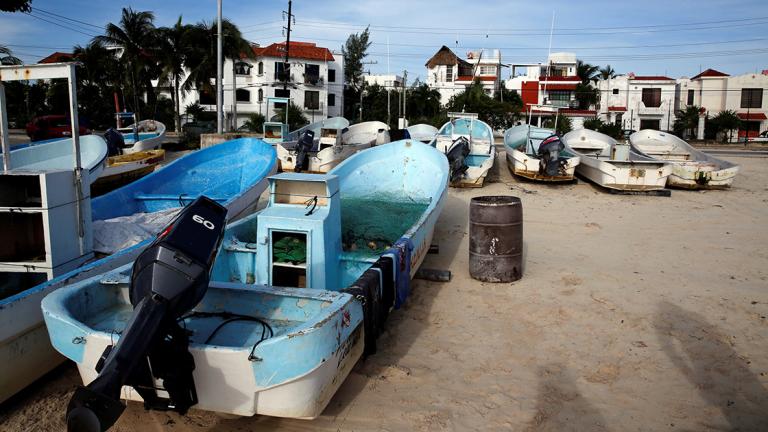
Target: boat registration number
pixel 636 172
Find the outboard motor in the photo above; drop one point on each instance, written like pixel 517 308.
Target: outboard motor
pixel 549 156
pixel 303 147
pixel 457 155
pixel 168 279
pixel 115 142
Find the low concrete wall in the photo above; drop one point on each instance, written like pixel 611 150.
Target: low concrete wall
pixel 208 140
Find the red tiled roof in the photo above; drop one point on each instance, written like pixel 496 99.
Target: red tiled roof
pixel 58 57
pixel 559 86
pixel 617 108
pixel 559 78
pixel 301 50
pixel 752 116
pixel 651 78
pixel 470 78
pixel 710 73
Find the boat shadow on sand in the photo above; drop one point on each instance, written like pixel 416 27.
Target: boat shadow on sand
pixel 705 356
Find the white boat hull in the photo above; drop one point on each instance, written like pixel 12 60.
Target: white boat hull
pixel 321 162
pixel 624 175
pixel 527 166
pixel 691 168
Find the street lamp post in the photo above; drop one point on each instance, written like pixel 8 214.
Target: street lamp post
pixel 219 73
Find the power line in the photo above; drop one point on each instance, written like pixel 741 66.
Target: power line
pixel 59 24
pixel 483 29
pixel 66 18
pixel 528 32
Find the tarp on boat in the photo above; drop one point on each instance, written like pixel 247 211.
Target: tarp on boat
pixel 112 235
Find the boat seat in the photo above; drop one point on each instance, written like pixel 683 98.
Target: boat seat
pixel 157 197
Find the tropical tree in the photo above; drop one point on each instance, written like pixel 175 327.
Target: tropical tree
pixel 499 115
pixel 255 122
pixel 355 50
pixel 423 105
pixel 296 117
pixel 201 58
pixel 587 72
pixel 607 72
pixel 7 58
pixel 562 127
pixel 97 76
pixel 137 37
pixel 727 121
pixel 687 120
pixel 172 58
pixel 593 124
pixel 16 5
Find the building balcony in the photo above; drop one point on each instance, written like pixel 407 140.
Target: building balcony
pixel 314 80
pixel 654 111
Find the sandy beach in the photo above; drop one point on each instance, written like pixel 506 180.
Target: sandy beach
pixel 635 313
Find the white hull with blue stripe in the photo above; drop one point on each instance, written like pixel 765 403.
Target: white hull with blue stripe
pixel 318 328
pixel 482 150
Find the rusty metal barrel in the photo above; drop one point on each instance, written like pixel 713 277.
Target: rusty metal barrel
pixel 496 238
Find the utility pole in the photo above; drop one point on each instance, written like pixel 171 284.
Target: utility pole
pixel 362 85
pixel 405 94
pixel 286 67
pixel 219 73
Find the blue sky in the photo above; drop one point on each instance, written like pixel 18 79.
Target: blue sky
pixel 675 38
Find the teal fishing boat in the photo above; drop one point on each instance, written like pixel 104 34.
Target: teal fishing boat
pixel 298 291
pixel 468 144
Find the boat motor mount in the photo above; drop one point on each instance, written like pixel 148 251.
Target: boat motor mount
pixel 303 147
pixel 457 155
pixel 168 279
pixel 549 156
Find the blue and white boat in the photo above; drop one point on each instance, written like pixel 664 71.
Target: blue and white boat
pixel 143 135
pixel 57 154
pixel 346 244
pixel 466 130
pixel 234 173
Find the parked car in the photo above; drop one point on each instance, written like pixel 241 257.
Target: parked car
pixel 628 132
pixel 762 138
pixel 54 126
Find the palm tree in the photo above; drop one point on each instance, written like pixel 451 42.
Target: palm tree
pixel 172 57
pixel 201 60
pixel 727 121
pixel 687 120
pixel 607 72
pixel 7 58
pixel 137 37
pixel 586 72
pixel 97 77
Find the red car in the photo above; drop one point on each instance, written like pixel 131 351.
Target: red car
pixel 53 126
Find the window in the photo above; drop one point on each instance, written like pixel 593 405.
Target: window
pixel 449 74
pixel 311 74
pixel 331 75
pixel 752 98
pixel 242 68
pixel 487 70
pixel 652 97
pixel 690 97
pixel 312 100
pixel 242 95
pixel 331 99
pixel 615 91
pixel 261 68
pixel 559 95
pixel 650 124
pixel 261 95
pixel 282 93
pixel 281 71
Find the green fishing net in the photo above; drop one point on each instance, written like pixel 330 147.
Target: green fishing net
pixel 370 225
pixel 289 249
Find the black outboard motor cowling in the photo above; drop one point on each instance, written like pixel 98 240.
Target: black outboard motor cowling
pixel 549 156
pixel 115 142
pixel 457 155
pixel 168 279
pixel 303 147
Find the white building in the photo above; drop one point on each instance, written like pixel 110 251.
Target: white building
pixel 715 91
pixel 451 75
pixel 386 81
pixel 315 83
pixel 638 102
pixel 549 88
